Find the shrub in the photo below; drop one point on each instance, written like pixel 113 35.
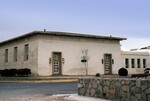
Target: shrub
pixel 24 72
pixel 5 72
pixel 97 75
pixel 123 72
pixel 15 72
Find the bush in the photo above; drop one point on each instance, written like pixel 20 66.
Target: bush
pixel 97 75
pixel 5 72
pixel 123 72
pixel 15 72
pixel 24 72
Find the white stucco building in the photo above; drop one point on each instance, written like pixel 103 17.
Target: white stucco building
pixel 135 62
pixel 60 53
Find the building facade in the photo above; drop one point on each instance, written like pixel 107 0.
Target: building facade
pixel 61 53
pixel 135 62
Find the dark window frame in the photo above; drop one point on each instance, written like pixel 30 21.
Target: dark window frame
pixel 133 63
pixel 26 52
pixel 15 54
pixel 144 63
pixel 138 63
pixel 6 55
pixel 127 62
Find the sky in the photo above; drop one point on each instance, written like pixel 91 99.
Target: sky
pixel 120 18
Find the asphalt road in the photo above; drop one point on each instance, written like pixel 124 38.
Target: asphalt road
pixel 9 90
pixel 37 88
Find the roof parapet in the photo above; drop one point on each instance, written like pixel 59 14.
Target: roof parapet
pixel 64 34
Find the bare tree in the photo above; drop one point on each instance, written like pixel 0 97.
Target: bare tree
pixel 85 59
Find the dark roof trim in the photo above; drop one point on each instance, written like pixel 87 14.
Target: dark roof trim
pixel 63 34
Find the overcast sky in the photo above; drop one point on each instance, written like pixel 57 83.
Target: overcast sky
pixel 120 18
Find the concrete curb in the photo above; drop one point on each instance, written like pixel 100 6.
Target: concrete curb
pixel 37 79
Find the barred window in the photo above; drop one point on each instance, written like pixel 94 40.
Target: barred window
pixel 144 63
pixel 138 63
pixel 6 55
pixel 26 52
pixel 127 63
pixel 15 53
pixel 133 63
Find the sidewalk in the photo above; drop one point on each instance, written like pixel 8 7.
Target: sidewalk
pixel 58 97
pixel 50 78
pixel 40 79
pixel 43 79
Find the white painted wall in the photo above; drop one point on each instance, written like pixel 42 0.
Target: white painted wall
pixel 31 63
pixel 42 46
pixel 71 52
pixel 135 55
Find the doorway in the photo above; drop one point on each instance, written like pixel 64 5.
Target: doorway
pixel 107 63
pixel 56 64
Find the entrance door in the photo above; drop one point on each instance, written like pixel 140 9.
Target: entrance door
pixel 56 63
pixel 107 64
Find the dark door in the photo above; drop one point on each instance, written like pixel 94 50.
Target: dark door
pixel 56 63
pixel 107 64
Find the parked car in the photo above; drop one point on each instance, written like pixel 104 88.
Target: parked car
pixel 147 71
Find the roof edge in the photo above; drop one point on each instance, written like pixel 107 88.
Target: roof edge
pixel 57 33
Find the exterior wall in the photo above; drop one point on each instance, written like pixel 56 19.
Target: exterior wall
pixel 115 89
pixel 135 56
pixel 42 46
pixel 31 63
pixel 71 48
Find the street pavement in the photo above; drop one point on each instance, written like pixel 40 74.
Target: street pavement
pixel 42 91
pixel 37 88
pixel 14 91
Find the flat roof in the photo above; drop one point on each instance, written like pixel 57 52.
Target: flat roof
pixel 135 53
pixel 57 33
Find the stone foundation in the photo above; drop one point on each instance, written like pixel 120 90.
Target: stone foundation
pixel 116 89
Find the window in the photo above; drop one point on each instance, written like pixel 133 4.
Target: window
pixel 15 53
pixel 6 55
pixel 133 63
pixel 127 63
pixel 26 52
pixel 144 63
pixel 138 63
